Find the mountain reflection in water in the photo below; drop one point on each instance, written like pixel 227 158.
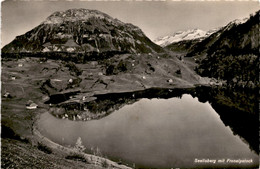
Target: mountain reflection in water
pixel 236 108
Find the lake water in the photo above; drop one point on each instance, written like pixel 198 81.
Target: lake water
pixel 156 133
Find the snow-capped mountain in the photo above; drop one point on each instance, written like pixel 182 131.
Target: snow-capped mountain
pixel 82 31
pixel 239 34
pixel 182 36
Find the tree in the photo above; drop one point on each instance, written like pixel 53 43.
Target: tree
pixel 78 146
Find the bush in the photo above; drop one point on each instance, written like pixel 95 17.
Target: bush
pixel 44 148
pixel 178 72
pixel 105 164
pixel 77 157
pixel 110 70
pixel 121 66
pixel 73 68
pixel 113 68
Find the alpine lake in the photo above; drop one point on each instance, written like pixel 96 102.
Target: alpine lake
pixel 168 128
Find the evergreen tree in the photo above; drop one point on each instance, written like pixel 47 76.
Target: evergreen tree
pixel 79 146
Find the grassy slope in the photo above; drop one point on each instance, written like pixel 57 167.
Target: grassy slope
pixel 16 154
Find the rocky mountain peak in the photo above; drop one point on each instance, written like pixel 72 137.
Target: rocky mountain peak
pixel 82 31
pixel 73 15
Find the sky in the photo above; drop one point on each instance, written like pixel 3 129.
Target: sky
pixel 155 18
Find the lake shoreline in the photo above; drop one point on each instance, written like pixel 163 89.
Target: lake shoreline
pixel 186 92
pixel 91 159
pixel 96 160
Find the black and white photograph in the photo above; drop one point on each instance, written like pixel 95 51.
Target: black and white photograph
pixel 120 84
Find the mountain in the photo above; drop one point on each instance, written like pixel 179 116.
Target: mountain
pixel 82 31
pixel 182 36
pixel 182 47
pixel 232 53
pixel 239 36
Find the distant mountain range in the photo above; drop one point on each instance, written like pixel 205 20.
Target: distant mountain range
pixel 183 36
pixel 182 41
pixel 230 52
pixel 82 31
pixel 197 42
